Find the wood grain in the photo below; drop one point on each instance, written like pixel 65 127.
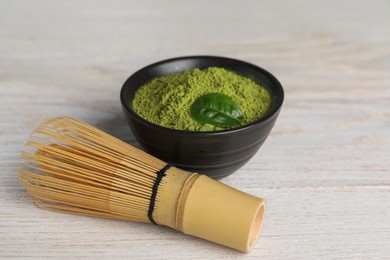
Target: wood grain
pixel 324 170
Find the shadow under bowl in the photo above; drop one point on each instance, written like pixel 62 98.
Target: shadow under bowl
pixel 216 154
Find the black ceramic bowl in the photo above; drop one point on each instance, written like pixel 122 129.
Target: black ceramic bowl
pixel 216 154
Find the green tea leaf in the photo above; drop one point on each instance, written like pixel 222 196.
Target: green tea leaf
pixel 216 109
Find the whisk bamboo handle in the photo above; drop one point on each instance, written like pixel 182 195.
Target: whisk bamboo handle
pixel 221 214
pixel 209 209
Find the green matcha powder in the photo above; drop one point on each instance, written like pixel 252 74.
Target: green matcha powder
pixel 166 101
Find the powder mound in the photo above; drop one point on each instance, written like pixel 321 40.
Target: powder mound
pixel 166 100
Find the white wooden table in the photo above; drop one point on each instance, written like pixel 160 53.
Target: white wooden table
pixel 324 170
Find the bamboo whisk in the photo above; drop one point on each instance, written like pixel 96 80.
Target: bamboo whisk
pixel 76 168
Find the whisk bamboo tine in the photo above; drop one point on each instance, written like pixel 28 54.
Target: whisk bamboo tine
pixel 78 169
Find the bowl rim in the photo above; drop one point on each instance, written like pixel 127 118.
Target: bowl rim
pixel 270 114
